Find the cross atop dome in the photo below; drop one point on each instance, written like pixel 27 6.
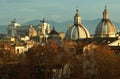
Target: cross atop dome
pixel 53 27
pixel 105 7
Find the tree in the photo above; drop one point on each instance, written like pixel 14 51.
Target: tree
pixel 108 64
pixel 102 60
pixel 47 56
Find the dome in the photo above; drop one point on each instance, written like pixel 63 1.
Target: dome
pixel 54 32
pixel 105 28
pixel 77 31
pixel 54 35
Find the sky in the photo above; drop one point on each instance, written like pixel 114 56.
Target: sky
pixel 56 10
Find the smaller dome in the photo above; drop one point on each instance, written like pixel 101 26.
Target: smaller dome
pixel 77 31
pixel 54 35
pixel 53 31
pixel 105 28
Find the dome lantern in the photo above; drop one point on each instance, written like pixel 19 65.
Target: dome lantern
pixel 105 14
pixel 77 18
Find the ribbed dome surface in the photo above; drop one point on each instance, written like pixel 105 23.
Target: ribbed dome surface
pixel 77 32
pixel 105 29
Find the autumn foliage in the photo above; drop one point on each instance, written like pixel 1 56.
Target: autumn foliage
pixel 108 64
pixel 41 60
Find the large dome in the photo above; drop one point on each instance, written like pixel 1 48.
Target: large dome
pixel 105 28
pixel 77 31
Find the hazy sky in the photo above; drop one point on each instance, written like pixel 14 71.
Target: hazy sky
pixel 56 10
